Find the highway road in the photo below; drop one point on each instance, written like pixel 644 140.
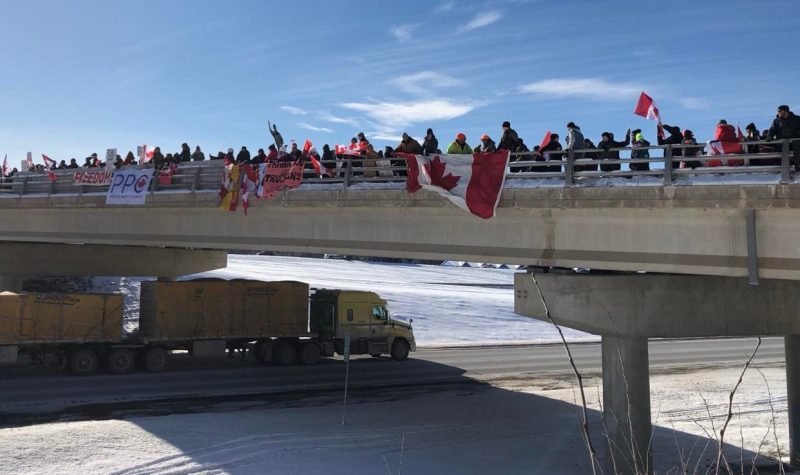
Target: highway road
pixel 35 393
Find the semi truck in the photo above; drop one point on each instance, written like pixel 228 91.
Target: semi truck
pixel 280 322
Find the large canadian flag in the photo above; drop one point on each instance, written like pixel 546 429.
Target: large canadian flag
pixel 647 108
pixel 471 182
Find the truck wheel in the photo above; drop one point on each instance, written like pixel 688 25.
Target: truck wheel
pixel 284 354
pixel 155 360
pixel 400 350
pixel 120 361
pixel 83 362
pixel 310 354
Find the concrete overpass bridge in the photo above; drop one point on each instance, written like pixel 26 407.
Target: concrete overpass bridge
pixel 720 231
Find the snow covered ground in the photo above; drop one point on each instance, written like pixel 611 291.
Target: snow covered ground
pixel 450 305
pixel 509 427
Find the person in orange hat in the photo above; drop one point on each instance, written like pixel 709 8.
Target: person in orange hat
pixel 488 144
pixel 459 145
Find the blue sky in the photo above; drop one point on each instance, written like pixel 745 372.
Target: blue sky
pixel 79 77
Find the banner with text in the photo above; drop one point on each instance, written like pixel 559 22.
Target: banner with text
pixel 279 175
pixel 92 178
pixel 129 187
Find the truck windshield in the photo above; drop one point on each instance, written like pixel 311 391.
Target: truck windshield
pixel 379 312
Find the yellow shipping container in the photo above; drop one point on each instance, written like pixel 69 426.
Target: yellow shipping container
pixel 198 309
pixel 63 318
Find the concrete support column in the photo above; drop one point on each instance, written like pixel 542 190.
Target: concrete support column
pixel 11 283
pixel 626 404
pixel 792 348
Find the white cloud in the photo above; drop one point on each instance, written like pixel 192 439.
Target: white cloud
pixel 589 87
pixel 694 103
pixel 328 117
pixel 392 115
pixel 403 32
pixel 425 80
pixel 303 125
pixel 445 7
pixel 294 110
pixel 483 19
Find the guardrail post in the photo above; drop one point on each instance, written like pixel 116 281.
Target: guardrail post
pixel 786 176
pixel 348 173
pixel 24 186
pixel 569 168
pixel 52 188
pixel 668 165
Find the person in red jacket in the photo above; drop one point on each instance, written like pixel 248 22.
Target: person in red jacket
pixel 729 143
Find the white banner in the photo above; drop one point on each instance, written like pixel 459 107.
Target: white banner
pixel 129 187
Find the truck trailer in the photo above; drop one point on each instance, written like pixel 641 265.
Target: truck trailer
pixel 281 322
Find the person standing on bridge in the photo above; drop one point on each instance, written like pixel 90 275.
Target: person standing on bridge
pixel 198 155
pixel 459 145
pixel 786 126
pixel 550 153
pixel 487 144
pixel 510 139
pixel 639 141
pixel 243 156
pixel 186 153
pixel 574 140
pixel 675 138
pixel 430 145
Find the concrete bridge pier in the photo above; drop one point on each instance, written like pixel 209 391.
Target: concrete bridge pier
pixel 628 309
pixel 792 345
pixel 626 404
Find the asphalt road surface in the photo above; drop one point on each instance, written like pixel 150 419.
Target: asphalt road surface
pixel 36 393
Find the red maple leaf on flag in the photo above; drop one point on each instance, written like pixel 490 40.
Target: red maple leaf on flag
pixel 436 169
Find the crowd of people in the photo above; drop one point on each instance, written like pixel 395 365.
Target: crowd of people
pixel 786 125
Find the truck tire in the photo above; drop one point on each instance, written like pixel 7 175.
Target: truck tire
pixel 400 350
pixel 310 354
pixel 83 362
pixel 120 361
pixel 155 359
pixel 284 354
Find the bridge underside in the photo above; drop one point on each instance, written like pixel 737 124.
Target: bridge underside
pixel 689 230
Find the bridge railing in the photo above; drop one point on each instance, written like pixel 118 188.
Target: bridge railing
pixel 565 168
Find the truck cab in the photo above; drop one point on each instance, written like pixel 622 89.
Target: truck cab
pixel 365 317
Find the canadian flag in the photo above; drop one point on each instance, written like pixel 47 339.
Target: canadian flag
pixel 249 184
pixel 49 164
pixel 5 165
pixel 647 108
pixel 545 140
pixel 144 153
pixel 472 182
pixel 344 150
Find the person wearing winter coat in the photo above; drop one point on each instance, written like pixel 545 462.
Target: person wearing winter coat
pixel 328 159
pixel 639 141
pixel 186 153
pixel 243 156
pixel 459 145
pixel 688 152
pixel 550 153
pixel 487 144
pixel 588 145
pixel 675 138
pixel 129 159
pixel 409 145
pixel 574 140
pixel 272 155
pixel 260 157
pixel 607 142
pixel 158 159
pixel 509 140
pixel 787 126
pixel 198 155
pixel 430 145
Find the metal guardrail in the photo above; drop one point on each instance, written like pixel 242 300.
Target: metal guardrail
pixel 561 165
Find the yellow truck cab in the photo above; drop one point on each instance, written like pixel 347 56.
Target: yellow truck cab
pixel 365 317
